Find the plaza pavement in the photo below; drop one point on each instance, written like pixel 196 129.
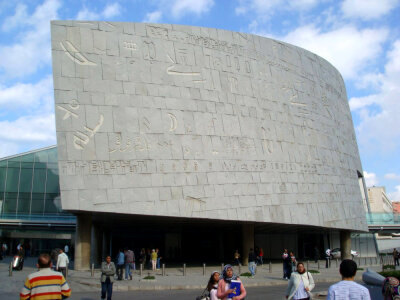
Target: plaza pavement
pixel 81 281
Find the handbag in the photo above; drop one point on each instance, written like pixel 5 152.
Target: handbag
pixel 205 295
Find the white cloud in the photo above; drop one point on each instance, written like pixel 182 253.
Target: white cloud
pixel 28 96
pixel 350 50
pixel 392 176
pixel 367 9
pixel 370 179
pixel 361 102
pixel 29 129
pixel 153 17
pixel 258 6
pixel 395 196
pixel 19 18
pixel 86 14
pixel 32 50
pixel 110 11
pixel 198 7
pixel 265 8
pixel 8 149
pixel 378 131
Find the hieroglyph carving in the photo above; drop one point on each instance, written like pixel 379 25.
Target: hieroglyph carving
pixel 73 53
pixel 82 138
pixel 74 105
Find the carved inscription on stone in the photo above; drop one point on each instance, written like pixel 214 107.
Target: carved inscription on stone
pixel 75 55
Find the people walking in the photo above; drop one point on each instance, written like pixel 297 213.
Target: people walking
pixel 300 284
pixel 328 258
pixel 226 283
pixel 261 256
pixel 4 249
pixel 396 257
pixel 62 263
pixel 347 288
pixel 21 254
pixel 129 263
pixel 120 264
pixel 212 286
pixel 45 282
pixel 107 278
pixel 293 261
pixel 153 259
pixel 236 258
pixel 287 264
pixel 252 262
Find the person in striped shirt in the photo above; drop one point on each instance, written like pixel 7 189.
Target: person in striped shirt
pixel 347 289
pixel 46 283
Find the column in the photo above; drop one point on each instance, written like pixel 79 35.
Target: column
pixel 248 241
pixel 345 244
pixel 96 245
pixel 82 241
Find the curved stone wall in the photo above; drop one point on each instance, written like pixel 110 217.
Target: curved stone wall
pixel 202 123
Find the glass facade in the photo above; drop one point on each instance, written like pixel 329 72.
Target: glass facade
pixel 29 185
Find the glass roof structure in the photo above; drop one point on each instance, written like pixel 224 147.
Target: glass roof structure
pixel 29 186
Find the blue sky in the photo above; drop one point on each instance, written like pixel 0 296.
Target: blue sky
pixel 361 38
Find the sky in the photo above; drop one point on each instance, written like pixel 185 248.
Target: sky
pixel 361 38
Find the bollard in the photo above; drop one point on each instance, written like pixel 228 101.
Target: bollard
pixel 318 264
pixel 10 269
pixel 240 269
pixel 66 272
pixel 204 269
pixel 270 267
pixel 141 269
pixel 336 262
pixel 222 267
pixel 163 269
pixel 92 270
pixel 184 269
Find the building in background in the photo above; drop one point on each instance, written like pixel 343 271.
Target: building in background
pixel 379 201
pixel 30 204
pixel 396 207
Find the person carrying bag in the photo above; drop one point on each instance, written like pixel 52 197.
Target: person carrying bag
pixel 300 284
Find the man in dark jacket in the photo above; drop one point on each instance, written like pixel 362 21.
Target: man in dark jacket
pixel 107 278
pixel 287 265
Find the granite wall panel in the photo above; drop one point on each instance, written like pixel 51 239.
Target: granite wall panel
pixel 181 121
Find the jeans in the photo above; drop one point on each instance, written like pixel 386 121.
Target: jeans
pixel 252 268
pixel 120 271
pixel 287 270
pixel 106 288
pixel 128 268
pixel 158 263
pixel 63 271
pixel 328 262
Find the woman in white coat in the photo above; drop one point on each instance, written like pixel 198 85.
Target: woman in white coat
pixel 300 284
